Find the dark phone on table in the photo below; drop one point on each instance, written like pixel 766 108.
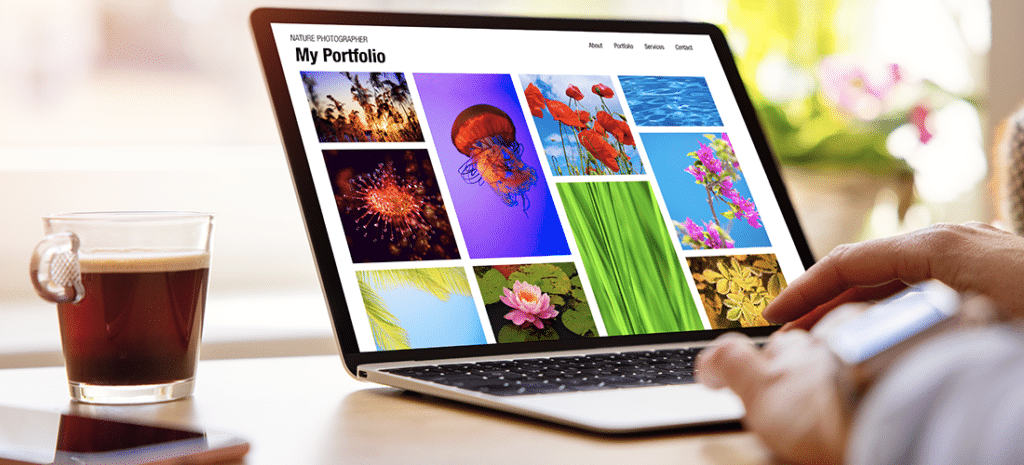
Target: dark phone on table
pixel 38 437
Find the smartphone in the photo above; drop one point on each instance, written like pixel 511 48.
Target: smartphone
pixel 30 437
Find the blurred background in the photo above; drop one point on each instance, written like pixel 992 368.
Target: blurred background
pixel 883 113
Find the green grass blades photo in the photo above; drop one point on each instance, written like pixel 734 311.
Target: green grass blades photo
pixel 629 257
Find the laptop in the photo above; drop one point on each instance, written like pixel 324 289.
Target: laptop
pixel 547 217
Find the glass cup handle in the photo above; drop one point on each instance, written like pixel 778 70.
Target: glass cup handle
pixel 54 268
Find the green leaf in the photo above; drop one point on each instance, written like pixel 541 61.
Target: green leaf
pixel 556 300
pixel 577 289
pixel 548 277
pixel 568 268
pixel 492 285
pixel 775 285
pixel 513 333
pixel 441 282
pixel 729 215
pixel 712 275
pixel 733 314
pixel 724 235
pixel 388 333
pixel 579 321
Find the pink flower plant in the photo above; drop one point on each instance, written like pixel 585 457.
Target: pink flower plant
pixel 918 116
pixel 865 92
pixel 710 236
pixel 716 169
pixel 529 305
pixel 706 155
pixel 715 239
pixel 697 172
pixel 692 229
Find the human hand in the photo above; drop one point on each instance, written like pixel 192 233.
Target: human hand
pixel 789 391
pixel 973 257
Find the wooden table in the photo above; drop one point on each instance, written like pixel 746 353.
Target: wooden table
pixel 307 410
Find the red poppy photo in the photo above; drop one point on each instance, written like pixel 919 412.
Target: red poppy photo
pixel 583 128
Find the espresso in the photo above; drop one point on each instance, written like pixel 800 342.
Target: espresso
pixel 140 320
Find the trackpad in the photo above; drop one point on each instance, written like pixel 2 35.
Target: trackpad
pixel 636 409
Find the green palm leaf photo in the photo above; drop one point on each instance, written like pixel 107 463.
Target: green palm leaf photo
pixel 388 330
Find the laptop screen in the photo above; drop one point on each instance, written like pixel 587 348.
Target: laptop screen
pixel 510 184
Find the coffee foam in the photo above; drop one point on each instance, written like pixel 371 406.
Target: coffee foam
pixel 141 260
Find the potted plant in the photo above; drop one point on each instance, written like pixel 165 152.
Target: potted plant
pixel 828 114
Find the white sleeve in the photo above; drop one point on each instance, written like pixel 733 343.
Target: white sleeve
pixel 957 399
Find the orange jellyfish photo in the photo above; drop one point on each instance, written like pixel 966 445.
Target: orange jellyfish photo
pixel 582 125
pixel 487 136
pixel 498 187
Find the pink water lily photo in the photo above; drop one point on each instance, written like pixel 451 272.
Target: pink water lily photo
pixel 535 302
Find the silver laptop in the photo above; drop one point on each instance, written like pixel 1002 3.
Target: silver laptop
pixel 547 217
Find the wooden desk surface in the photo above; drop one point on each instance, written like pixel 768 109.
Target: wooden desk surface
pixel 307 410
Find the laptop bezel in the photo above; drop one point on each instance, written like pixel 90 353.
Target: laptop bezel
pixel 261 21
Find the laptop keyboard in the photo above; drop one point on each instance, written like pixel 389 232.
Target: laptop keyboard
pixel 562 374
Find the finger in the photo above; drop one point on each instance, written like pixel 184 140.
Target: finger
pixel 980 225
pixel 807 321
pixel 787 350
pixel 844 313
pixel 856 294
pixel 732 361
pixel 866 264
pixel 976 311
pixel 780 342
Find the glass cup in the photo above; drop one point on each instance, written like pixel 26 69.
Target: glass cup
pixel 130 289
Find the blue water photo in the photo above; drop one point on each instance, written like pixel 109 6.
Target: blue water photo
pixel 664 101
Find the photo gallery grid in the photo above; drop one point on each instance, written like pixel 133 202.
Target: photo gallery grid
pixel 493 208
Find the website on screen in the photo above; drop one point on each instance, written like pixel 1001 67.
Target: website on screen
pixel 497 186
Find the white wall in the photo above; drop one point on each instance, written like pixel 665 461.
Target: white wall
pixel 259 241
pixel 1006 61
